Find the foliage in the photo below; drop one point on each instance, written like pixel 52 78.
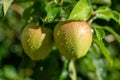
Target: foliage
pixel 102 60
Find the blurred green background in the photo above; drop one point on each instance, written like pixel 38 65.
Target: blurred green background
pixel 16 65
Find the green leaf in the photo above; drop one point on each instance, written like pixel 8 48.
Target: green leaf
pixel 104 50
pixel 28 12
pixel 116 16
pixel 106 13
pixel 6 5
pixel 52 10
pixel 64 73
pixel 105 2
pixel 100 34
pixel 81 11
pixel 10 72
pixel 100 68
pixel 117 37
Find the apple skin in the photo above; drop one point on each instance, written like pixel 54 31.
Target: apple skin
pixel 37 41
pixel 73 38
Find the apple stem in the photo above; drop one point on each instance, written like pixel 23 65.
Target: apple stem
pixel 72 70
pixel 91 20
pixel 93 17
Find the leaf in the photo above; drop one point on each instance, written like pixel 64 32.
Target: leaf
pixel 100 34
pixel 64 73
pixel 107 28
pixel 99 31
pixel 117 37
pixel 81 11
pixel 10 72
pixel 102 13
pixel 116 16
pixel 6 5
pixel 104 50
pixel 98 63
pixel 106 2
pixel 28 12
pixel 39 9
pixel 106 13
pixel 100 68
pixel 52 10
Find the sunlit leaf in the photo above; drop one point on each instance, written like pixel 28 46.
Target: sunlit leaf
pixel 6 5
pixel 10 72
pixel 109 29
pixel 104 50
pixel 106 13
pixel 106 2
pixel 99 33
pixel 52 10
pixel 81 11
